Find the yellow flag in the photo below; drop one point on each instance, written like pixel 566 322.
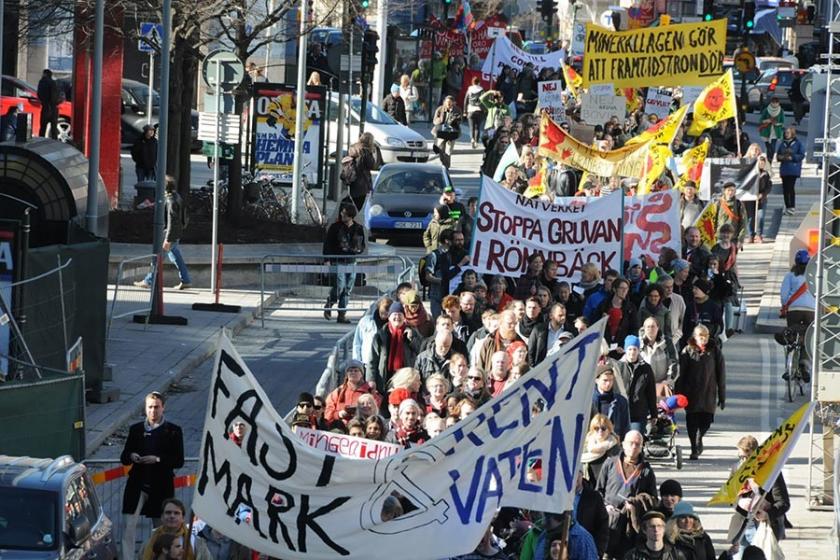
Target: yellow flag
pixel 706 222
pixel 716 103
pixel 538 184
pixel 573 80
pixel 662 132
pixel 692 164
pixel 632 99
pixel 559 145
pixel 657 158
pixel 765 463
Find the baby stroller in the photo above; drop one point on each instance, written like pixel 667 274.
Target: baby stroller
pixel 661 441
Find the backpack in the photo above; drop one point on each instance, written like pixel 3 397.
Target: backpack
pixel 348 170
pixel 422 269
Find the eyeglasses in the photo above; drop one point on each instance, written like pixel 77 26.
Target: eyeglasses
pixel 601 429
pixel 475 377
pixel 305 405
pixel 317 407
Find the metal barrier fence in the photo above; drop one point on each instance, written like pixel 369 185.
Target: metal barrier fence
pixel 109 476
pixel 303 283
pixel 128 299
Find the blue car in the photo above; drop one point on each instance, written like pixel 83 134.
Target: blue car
pixel 403 197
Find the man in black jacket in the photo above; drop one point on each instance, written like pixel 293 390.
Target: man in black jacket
pixel 154 449
pixel 592 514
pixel 176 220
pixel 144 154
pixel 48 96
pixel 344 238
pixel 394 105
pixel 694 252
pixel 545 336
pixel 362 154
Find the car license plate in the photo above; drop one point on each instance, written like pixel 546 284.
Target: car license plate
pixel 408 225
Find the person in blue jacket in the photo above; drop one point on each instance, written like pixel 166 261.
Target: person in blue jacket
pixel 790 154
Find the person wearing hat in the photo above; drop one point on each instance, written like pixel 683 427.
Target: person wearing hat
pixel 638 283
pixel 702 380
pixel 440 221
pixel 144 155
pixel 798 304
pixel 702 310
pixel 457 211
pixel 415 313
pixel 342 402
pixel 690 205
pixel 394 105
pixel 408 429
pixel 396 345
pixel 670 494
pixel 637 377
pixel 686 533
pixel 654 546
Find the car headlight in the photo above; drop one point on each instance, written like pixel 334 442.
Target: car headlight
pixel 376 210
pixel 393 141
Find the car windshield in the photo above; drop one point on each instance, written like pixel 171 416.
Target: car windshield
pixel 141 94
pixel 27 519
pixel 402 181
pixel 373 113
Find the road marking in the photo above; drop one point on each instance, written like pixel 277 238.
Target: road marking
pixel 766 360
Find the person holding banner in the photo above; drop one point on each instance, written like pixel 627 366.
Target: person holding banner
pixel 690 205
pixel 732 211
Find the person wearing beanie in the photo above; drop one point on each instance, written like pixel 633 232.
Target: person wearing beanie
pixel 408 429
pixel 395 345
pixel 638 380
pixel 670 494
pixel 341 403
pixel 622 315
pixel 607 400
pixel 682 279
pixel 305 411
pixel 702 310
pixel 686 533
pixel 440 221
pixel 636 276
pixel 415 313
pixel 394 105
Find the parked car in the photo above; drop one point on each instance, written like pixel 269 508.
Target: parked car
pixel 774 83
pixel 16 92
pixel 49 509
pixel 327 36
pixel 396 142
pixel 135 105
pixel 403 197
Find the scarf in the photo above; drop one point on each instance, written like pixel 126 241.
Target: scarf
pixel 588 285
pixel 774 112
pixel 396 349
pixel 527 325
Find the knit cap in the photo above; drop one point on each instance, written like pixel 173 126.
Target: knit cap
pixel 632 340
pixel 396 307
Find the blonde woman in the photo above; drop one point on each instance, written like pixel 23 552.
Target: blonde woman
pixel 314 79
pixel 409 95
pixel 601 443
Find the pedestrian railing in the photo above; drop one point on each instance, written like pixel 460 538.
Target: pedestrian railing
pixel 303 283
pixel 128 299
pixel 109 477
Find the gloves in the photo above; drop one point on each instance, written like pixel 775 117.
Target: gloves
pixel 722 404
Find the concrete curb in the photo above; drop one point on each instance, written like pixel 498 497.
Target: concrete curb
pixel 187 364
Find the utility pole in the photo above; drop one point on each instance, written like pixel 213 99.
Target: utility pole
pixel 300 108
pixel 91 212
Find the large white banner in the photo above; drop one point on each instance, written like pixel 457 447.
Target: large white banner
pixel 651 222
pixel 505 53
pixel 283 498
pixel 571 231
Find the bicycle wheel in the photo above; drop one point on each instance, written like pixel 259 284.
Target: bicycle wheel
pixel 792 369
pixel 312 208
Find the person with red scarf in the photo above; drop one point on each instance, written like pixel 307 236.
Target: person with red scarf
pixel 395 345
pixel 341 403
pixel 416 315
pixel 409 429
pixel 238 431
pixel 504 336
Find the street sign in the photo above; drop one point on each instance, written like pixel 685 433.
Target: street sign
pixel 228 126
pixel 232 70
pixel 151 36
pixel 744 61
pixel 347 60
pixel 493 32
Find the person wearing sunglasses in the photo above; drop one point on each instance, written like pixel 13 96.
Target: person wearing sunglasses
pixel 305 412
pixel 600 444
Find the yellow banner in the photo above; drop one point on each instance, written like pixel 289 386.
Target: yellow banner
pixel 684 54
pixel 716 103
pixel 692 164
pixel 657 158
pixel 765 463
pixel 559 145
pixel 662 132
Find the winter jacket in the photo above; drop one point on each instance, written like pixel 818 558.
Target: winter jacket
pixel 660 313
pixel 342 239
pixel 698 258
pixel 174 217
pixel 661 356
pixel 708 313
pixel 616 487
pixel 344 396
pixel 790 284
pixel 733 212
pixel 474 93
pixel 395 106
pixel 495 111
pixel 641 552
pixel 144 152
pixel 690 211
pixel 365 163
pixel 490 346
pixel 167 442
pixel 777 126
pixel 629 323
pixel 790 153
pixel 429 362
pixel 695 546
pixel 676 305
pixel 377 368
pixel 574 307
pixel 363 335
pixel 538 343
pixel 592 302
pixel 637 379
pixel 702 377
pixel 592 516
pixel 617 410
pixel 433 231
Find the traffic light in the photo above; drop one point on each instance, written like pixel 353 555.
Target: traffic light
pixel 365 4
pixel 708 10
pixel 547 8
pixel 748 17
pixel 370 49
pixel 446 5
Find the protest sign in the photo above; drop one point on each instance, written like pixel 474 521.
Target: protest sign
pixel 551 100
pixel 658 102
pixel 598 109
pixel 651 222
pixel 741 171
pixel 505 53
pixel 714 104
pixel 559 145
pixel 347 446
pixel 571 231
pixel 679 54
pixel 482 36
pixel 578 38
pixel 274 131
pixel 278 496
pixel 603 89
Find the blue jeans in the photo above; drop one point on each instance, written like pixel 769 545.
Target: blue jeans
pixel 755 221
pixel 143 174
pixel 175 258
pixel 340 291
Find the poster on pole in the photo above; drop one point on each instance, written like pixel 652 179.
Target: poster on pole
pixel 274 134
pixel 9 239
pixel 669 55
pixel 571 231
pixel 598 109
pixel 551 100
pixel 280 497
pixel 658 102
pixel 741 171
pixel 651 222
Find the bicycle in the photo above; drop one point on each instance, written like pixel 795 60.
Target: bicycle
pixel 797 367
pixel 309 201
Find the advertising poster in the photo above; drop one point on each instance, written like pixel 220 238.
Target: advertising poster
pixel 274 136
pixel 8 254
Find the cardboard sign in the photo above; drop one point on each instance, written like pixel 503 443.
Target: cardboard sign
pixel 598 109
pixel 551 100
pixel 658 102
